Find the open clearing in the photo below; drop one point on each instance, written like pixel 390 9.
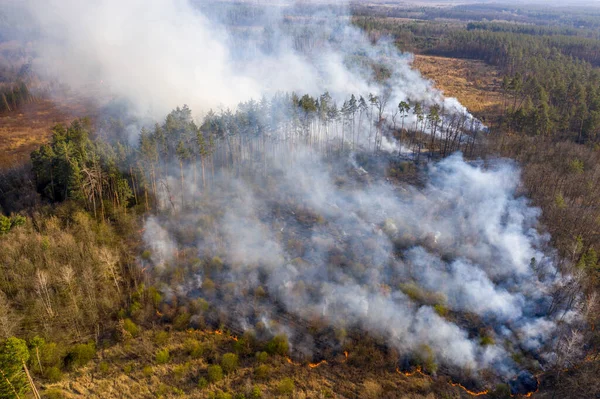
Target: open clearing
pixel 475 84
pixel 24 130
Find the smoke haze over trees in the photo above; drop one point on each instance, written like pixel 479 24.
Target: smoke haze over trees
pixel 317 196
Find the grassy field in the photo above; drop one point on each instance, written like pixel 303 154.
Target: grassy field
pixel 475 84
pixel 24 130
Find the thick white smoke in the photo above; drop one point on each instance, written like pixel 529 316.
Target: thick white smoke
pixel 159 54
pixel 385 258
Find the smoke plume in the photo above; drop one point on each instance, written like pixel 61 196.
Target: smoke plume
pixel 414 265
pixel 158 54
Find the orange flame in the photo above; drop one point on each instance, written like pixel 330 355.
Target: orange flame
pixel 410 374
pixel 218 332
pixel 346 354
pixel 454 384
pixel 537 389
pixel 291 362
pixel 313 365
pixel 472 393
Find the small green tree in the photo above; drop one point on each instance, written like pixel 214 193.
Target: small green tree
pixel 278 345
pixel 286 386
pixel 13 380
pixel 229 362
pixel 215 373
pixel 162 356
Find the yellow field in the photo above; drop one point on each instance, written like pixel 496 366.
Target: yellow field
pixel 475 84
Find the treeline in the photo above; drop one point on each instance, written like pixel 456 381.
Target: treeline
pixel 550 82
pixel 586 49
pixel 414 35
pixel 75 166
pixel 546 92
pixel 537 30
pixel 582 17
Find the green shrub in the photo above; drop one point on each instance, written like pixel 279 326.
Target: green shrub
pixel 193 348
pixel 229 362
pixel 256 393
pixel 182 321
pixel 441 310
pixel 53 394
pixel 202 383
pixel 162 356
pixel 286 386
pixel 160 338
pixel 262 371
pixel 163 390
pixel 262 357
pixel 215 373
pixel 147 371
pixel 80 355
pixel 180 372
pixel 278 346
pixel 127 369
pixel 486 340
pixel 147 255
pixel 103 367
pixel 154 296
pixel 53 374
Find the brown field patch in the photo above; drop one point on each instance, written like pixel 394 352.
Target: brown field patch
pixel 24 130
pixel 475 84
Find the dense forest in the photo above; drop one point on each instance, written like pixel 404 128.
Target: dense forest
pixel 83 291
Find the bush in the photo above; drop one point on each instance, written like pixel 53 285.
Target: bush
pixel 215 373
pixel 486 340
pixel 262 357
pixel 80 355
pixel 103 367
pixel 180 371
pixel 53 374
pixel 147 371
pixel 182 321
pixel 162 356
pixel 286 386
pixel 202 383
pixel 256 393
pixel 262 372
pixel 278 346
pixel 193 348
pixel 131 327
pixel 441 310
pixel 161 338
pixel 229 362
pixel 53 394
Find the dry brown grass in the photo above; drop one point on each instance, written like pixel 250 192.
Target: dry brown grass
pixel 475 84
pixel 335 379
pixel 24 130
